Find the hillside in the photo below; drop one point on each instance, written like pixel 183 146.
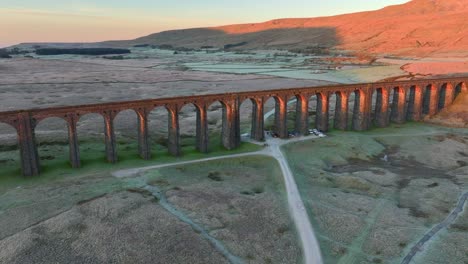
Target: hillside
pixel 418 28
pixel 456 115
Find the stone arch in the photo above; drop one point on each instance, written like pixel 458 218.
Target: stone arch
pixel 279 112
pixel 461 87
pixel 361 111
pixel 247 118
pixel 52 142
pixel 215 123
pixel 415 103
pixel 189 118
pixel 10 158
pixel 398 105
pixel 382 107
pixel 125 125
pixel 446 95
pixel 430 102
pixel 226 122
pixel 90 129
pixel 291 112
pixel 158 129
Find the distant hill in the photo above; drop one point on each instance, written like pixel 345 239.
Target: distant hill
pixel 417 28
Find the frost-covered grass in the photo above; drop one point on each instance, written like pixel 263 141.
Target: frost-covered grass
pixel 366 210
pixel 240 201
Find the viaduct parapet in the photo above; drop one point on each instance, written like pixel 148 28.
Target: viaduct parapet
pixel 412 100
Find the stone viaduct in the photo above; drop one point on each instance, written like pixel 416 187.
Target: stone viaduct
pixel 412 100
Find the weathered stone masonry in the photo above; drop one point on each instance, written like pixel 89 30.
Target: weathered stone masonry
pixel 411 100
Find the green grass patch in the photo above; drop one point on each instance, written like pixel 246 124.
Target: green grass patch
pixel 55 160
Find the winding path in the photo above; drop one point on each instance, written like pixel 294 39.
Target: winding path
pixel 442 225
pixel 310 246
pixel 297 210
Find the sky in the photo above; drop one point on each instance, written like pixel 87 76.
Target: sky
pixel 89 21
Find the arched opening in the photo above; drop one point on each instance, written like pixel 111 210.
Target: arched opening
pixel 446 95
pixel 52 143
pixel 126 135
pixel 301 120
pixel 10 160
pixel 215 125
pixel 459 88
pixel 90 130
pixel 430 101
pixel 269 114
pixel 276 116
pixel 188 128
pixel 246 118
pixel 398 105
pixel 158 123
pixel 415 98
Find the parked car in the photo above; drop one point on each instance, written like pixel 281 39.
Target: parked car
pixel 320 134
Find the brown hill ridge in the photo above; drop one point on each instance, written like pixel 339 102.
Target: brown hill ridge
pixel 418 28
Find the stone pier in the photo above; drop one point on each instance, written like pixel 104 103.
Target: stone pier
pixel 74 148
pixel 257 131
pixel 173 131
pixel 302 115
pixel 109 137
pixel 202 129
pixel 144 147
pixel 322 115
pixel 230 124
pixel 27 145
pixel 281 116
pixel 341 111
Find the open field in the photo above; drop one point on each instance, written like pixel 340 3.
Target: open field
pixel 97 218
pixel 240 201
pixel 373 195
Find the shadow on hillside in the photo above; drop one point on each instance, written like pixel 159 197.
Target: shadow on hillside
pixel 284 38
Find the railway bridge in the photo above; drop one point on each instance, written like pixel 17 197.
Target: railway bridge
pixel 410 101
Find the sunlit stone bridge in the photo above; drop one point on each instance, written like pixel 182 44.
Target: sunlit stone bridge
pixel 371 106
